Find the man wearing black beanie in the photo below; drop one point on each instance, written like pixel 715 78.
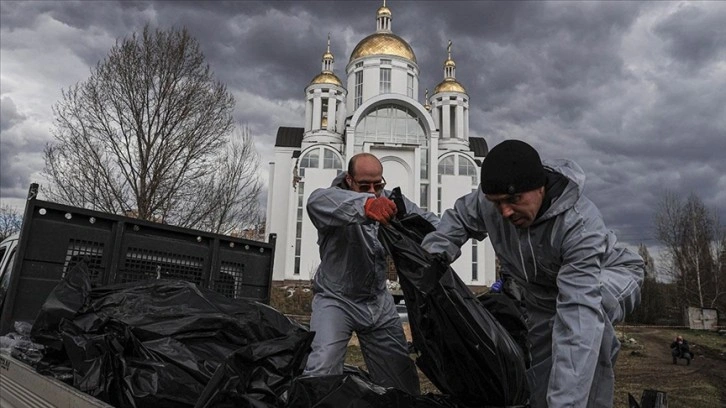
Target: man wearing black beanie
pixel 553 246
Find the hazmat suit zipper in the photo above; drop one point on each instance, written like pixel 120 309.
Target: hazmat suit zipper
pixel 521 259
pixel 531 250
pixel 521 256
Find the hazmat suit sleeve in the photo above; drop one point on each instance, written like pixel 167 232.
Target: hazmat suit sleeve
pixel 579 320
pixel 457 225
pixel 336 207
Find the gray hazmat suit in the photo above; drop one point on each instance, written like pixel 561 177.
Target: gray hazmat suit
pixel 576 284
pixel 350 290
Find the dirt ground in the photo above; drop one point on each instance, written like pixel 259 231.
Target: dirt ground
pixel 645 363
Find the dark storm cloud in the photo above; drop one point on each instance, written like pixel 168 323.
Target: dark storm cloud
pixel 695 36
pixel 9 115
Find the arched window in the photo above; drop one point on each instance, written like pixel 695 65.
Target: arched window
pixel 311 159
pixel 446 165
pixel 459 165
pixel 393 124
pixel 331 160
pixel 467 167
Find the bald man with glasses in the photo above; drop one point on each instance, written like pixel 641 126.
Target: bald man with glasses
pixel 350 283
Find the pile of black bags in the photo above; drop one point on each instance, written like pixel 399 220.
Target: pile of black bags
pixel 168 343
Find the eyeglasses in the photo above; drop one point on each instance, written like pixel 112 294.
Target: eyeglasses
pixel 366 186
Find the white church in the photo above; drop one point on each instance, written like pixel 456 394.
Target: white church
pixel 424 146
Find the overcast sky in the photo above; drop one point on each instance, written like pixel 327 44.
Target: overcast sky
pixel 635 92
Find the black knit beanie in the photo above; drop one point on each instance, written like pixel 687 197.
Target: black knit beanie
pixel 512 167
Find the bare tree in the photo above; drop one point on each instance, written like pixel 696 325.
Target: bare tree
pixel 148 135
pixel 10 221
pixel 234 188
pixel 694 243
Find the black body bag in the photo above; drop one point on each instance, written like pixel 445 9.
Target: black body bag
pixel 462 347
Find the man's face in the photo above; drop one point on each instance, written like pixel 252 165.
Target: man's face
pixel 368 177
pixel 520 209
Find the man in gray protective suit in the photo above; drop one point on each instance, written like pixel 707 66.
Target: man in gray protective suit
pixel 557 254
pixel 350 284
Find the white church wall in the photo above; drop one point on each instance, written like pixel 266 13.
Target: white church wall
pixel 452 187
pixel 309 251
pixel 371 80
pixel 397 171
pixel 277 216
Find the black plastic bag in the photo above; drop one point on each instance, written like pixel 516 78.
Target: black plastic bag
pixel 159 343
pixel 257 375
pixel 355 391
pixel 510 316
pixel 463 349
pixel 64 302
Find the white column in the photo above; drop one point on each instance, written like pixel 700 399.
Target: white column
pixel 460 121
pixel 339 114
pixel 466 123
pixel 445 120
pixel 308 114
pixel 434 172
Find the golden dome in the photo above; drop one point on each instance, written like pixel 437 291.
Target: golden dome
pixel 383 43
pixel 328 55
pixel 449 63
pixel 449 85
pixel 326 78
pixel 384 11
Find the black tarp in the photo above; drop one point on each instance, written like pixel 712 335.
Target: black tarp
pixel 167 343
pixel 160 343
pixel 463 349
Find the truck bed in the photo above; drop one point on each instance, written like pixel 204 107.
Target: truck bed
pixel 22 387
pixel 117 249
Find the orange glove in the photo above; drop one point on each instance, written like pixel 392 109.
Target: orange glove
pixel 380 209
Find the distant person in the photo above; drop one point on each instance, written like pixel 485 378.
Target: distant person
pixel 555 251
pixel 680 349
pixel 350 283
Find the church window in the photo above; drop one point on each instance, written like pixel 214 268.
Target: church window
pixel 446 165
pixel 298 228
pixel 310 159
pixel 391 123
pixel 331 160
pixel 385 78
pixel 358 88
pixel 424 197
pixel 452 122
pixel 440 116
pixel 438 202
pixel 424 174
pixel 409 86
pixel 324 114
pixel 468 168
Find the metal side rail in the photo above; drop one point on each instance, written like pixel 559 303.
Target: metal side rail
pixel 22 387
